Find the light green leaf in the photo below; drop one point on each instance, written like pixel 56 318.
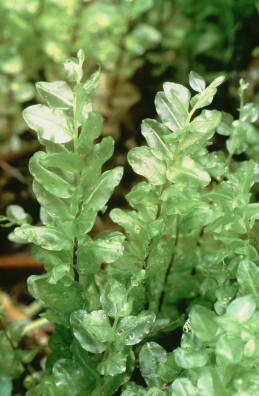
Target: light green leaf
pixel 138 278
pixel 56 207
pixel 132 329
pixel 206 97
pixel 57 94
pixel 247 276
pixel 17 214
pixel 242 308
pixel 47 237
pixel 169 371
pixel 94 161
pixel 252 212
pixel 82 104
pixel 151 356
pixel 108 246
pixel 73 69
pixel 100 193
pixel 196 82
pixel 126 219
pixel 250 112
pixel 178 96
pixel 133 390
pixel 49 259
pixel 189 358
pixel 203 323
pixel 183 387
pixel 92 83
pixel 69 378
pixel 225 127
pixel 172 105
pixel 52 182
pixel 218 81
pixel 155 392
pixel 114 299
pixel 91 130
pixel 230 349
pixel 85 222
pixel 92 330
pixel 153 133
pixel 81 56
pixel 97 195
pixel 146 164
pixel 86 361
pixel 58 272
pixel 206 122
pixel 143 197
pixel 67 162
pixel 196 218
pixel 49 123
pixel 187 171
pixel 55 296
pixel 210 383
pixel 115 363
pixel 112 384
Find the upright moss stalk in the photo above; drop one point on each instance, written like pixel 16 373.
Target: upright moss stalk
pixel 190 238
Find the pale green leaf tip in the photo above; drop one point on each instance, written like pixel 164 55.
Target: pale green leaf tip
pixel 81 56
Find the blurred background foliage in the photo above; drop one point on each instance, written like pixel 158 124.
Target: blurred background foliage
pixel 138 44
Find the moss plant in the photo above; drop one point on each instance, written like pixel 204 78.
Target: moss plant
pixel 190 237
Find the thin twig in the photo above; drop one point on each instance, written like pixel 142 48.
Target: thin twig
pixel 75 249
pixel 35 325
pixel 33 309
pixel 169 268
pixel 14 172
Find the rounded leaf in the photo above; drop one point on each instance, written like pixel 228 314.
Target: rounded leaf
pixel 196 82
pixel 189 358
pixel 134 328
pixel 92 330
pixel 230 349
pixel 57 94
pixel 150 357
pixel 183 387
pixel 49 123
pixel 146 164
pixel 242 308
pixel 203 323
pixel 47 237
